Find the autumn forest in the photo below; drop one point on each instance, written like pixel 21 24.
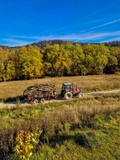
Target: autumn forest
pixel 68 59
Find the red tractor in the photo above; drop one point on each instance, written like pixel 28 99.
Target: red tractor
pixel 70 90
pixel 41 92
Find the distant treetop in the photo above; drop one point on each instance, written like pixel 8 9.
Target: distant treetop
pixel 42 44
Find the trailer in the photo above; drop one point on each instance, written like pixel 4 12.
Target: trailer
pixel 39 93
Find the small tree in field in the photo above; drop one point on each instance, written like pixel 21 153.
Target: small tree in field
pixel 25 144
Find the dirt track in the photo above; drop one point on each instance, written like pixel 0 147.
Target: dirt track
pixel 92 94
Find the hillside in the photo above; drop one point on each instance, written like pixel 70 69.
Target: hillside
pixel 42 44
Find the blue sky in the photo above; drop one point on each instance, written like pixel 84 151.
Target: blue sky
pixel 26 21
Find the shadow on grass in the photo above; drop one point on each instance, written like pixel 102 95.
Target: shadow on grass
pixel 80 139
pixel 14 99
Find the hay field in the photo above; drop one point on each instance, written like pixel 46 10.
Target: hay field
pixel 12 89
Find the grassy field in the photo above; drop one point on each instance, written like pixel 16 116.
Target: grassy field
pixel 78 130
pixel 82 129
pixel 13 89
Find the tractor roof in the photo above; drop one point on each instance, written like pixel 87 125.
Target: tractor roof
pixel 67 83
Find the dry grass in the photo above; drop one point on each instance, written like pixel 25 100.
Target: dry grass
pixel 13 89
pixel 91 121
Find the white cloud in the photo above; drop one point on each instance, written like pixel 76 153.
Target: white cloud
pixel 106 24
pixel 16 40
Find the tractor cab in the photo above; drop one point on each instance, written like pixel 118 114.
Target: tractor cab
pixel 67 87
pixel 69 90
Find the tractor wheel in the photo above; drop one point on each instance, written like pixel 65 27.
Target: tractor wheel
pixel 42 100
pixel 35 101
pixel 68 95
pixel 80 95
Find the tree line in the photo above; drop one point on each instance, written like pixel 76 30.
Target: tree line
pixel 66 59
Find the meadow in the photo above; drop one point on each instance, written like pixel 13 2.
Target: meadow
pixel 13 89
pixel 82 129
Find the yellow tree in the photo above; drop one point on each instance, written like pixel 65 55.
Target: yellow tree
pixel 78 57
pixel 10 70
pixel 101 57
pixel 50 56
pixel 7 68
pixel 96 58
pixel 89 52
pixel 62 64
pixel 57 60
pixel 3 64
pixel 113 61
pixel 30 62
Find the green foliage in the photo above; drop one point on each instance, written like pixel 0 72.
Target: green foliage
pixel 89 142
pixel 79 129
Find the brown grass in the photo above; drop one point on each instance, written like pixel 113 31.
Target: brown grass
pixel 13 89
